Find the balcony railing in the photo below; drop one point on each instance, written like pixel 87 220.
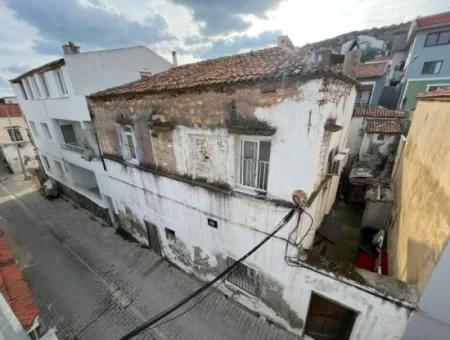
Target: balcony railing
pixel 72 147
pixel 253 173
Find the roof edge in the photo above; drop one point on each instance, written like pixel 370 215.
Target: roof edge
pixel 46 67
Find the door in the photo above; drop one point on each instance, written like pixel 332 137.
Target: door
pixel 328 320
pixel 153 237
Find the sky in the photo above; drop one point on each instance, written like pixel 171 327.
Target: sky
pixel 32 31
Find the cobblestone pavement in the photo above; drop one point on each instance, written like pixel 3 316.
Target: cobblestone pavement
pixel 92 284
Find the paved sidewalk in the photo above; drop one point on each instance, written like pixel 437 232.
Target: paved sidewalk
pixel 92 284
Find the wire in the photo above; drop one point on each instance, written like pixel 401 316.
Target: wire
pixel 211 283
pixel 288 259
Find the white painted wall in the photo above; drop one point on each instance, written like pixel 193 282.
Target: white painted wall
pixel 371 140
pixel 84 73
pixel 355 136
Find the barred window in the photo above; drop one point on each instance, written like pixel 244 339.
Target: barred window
pixel 243 276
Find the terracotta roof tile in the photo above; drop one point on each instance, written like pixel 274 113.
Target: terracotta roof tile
pixel 269 63
pixel 383 126
pixel 432 20
pixel 443 92
pixel 14 288
pixel 12 109
pixel 376 112
pixel 369 70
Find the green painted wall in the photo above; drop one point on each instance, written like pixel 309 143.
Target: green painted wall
pixel 417 86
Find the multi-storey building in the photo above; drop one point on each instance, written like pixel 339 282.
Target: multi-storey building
pixel 202 161
pixel 53 100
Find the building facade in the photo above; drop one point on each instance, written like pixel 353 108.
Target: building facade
pixel 13 136
pixel 53 100
pixel 202 161
pixel 428 61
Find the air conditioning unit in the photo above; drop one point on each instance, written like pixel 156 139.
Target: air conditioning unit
pixel 88 155
pixel 338 163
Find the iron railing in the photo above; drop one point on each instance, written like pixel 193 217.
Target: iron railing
pixel 253 173
pixel 73 147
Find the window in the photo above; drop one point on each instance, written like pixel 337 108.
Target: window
pixel 33 128
pixel 380 136
pixel 437 38
pixel 28 89
pixel 35 86
pixel 68 134
pixel 129 143
pixel 22 91
pixel 46 131
pixel 59 169
pixel 363 97
pixel 170 234
pixel 432 67
pixel 44 85
pixel 61 83
pixel 14 134
pixel 243 277
pixel 435 87
pixel 45 162
pixel 254 164
pixel 328 320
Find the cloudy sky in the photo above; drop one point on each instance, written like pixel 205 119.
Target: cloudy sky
pixel 32 31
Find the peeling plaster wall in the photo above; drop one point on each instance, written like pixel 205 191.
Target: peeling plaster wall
pixel 355 137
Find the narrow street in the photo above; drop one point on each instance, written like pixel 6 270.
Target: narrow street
pixel 92 284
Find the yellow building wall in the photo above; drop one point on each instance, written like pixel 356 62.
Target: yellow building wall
pixel 421 225
pixel 15 121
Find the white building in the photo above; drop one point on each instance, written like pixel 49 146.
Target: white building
pixel 202 161
pixel 53 100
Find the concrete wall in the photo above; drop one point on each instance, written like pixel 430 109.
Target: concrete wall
pixel 422 189
pixel 371 145
pixel 356 134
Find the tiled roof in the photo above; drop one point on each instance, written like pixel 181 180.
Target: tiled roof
pixel 376 112
pixel 269 63
pixel 433 20
pixel 369 70
pixel 46 67
pixel 443 92
pixel 383 126
pixel 14 288
pixel 12 109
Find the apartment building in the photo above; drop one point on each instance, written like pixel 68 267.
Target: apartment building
pixel 53 100
pixel 202 161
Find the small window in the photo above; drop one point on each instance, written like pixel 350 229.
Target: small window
pixel 170 234
pixel 33 128
pixel 14 134
pixel 129 143
pixel 363 97
pixel 243 277
pixel 35 86
pixel 59 169
pixel 380 136
pixel 22 91
pixel 45 162
pixel 28 89
pixel 68 134
pixel 254 164
pixel 46 131
pixel 437 38
pixel 61 83
pixel 44 85
pixel 432 67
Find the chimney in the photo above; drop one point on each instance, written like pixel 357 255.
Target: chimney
pixel 174 58
pixel 71 48
pixel 351 61
pixel 285 42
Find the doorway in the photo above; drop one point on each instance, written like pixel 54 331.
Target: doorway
pixel 328 320
pixel 153 237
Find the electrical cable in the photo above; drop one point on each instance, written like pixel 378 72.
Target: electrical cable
pixel 288 259
pixel 211 283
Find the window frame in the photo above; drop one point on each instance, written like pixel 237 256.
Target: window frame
pixel 438 35
pixel 436 62
pixel 241 168
pixel 14 131
pixel 47 132
pixel 43 81
pixel 35 87
pixel 33 128
pixel 22 90
pixel 61 82
pixel 29 89
pixel 59 169
pixel 126 145
pixel 248 282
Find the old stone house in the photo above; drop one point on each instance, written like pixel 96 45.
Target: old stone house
pixel 202 161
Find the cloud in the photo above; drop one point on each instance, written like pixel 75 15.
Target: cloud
pixel 16 68
pixel 238 43
pixel 88 23
pixel 5 89
pixel 222 17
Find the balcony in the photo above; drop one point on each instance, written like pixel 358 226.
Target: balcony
pixel 73 147
pixel 252 174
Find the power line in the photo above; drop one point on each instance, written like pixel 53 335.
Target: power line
pixel 209 284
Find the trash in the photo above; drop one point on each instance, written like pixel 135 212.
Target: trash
pixel 50 188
